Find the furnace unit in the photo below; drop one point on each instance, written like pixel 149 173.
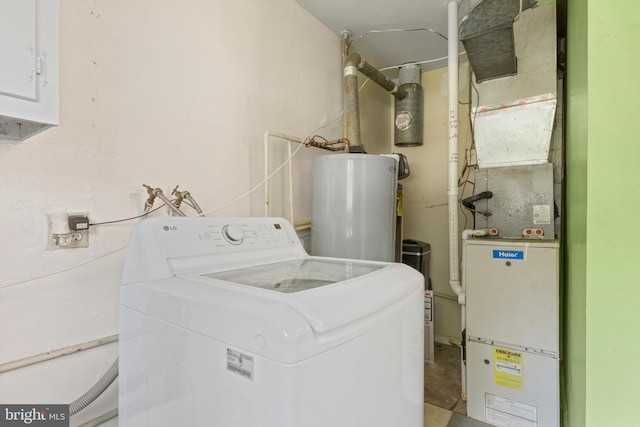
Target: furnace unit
pixel 512 344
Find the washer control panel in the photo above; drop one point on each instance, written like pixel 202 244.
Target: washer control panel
pixel 233 234
pixel 181 237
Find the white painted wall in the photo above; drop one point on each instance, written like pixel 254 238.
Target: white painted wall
pixel 160 92
pixel 425 190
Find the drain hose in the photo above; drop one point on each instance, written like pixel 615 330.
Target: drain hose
pixel 94 392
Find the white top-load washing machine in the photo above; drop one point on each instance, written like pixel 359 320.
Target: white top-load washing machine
pixel 229 323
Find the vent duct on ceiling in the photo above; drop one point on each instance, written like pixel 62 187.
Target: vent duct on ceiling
pixel 486 31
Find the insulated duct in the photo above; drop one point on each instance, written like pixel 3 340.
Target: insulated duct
pixel 486 31
pixel 408 114
pixel 352 65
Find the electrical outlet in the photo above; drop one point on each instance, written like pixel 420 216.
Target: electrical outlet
pixel 68 230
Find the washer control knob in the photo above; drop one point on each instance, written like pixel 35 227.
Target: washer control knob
pixel 233 234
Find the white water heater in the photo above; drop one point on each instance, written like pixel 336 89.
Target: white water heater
pixel 354 206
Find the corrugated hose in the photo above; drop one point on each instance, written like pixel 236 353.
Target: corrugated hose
pixel 94 392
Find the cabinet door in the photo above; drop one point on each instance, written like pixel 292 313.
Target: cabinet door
pixel 18 48
pixel 28 67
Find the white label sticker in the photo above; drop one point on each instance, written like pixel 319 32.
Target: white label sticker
pixel 428 304
pixel 509 368
pixel 504 412
pixel 240 363
pixel 542 214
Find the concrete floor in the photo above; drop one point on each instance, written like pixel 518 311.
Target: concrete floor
pixel 442 380
pixel 443 406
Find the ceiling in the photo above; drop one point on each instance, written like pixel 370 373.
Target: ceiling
pixel 365 18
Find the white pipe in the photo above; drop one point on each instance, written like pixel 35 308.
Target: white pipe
pixel 101 419
pixel 480 232
pixel 289 151
pixel 266 174
pixel 42 357
pixel 302 225
pixel 452 190
pixel 285 137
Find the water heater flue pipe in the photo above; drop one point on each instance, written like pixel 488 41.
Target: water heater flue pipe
pixel 352 65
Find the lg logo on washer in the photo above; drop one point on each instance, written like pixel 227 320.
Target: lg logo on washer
pixel 169 228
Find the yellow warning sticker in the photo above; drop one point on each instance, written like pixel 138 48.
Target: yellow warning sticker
pixel 508 368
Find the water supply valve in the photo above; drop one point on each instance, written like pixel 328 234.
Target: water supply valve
pixel 533 233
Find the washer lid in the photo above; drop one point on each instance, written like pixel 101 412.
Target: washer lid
pixel 327 293
pixel 304 316
pixel 297 275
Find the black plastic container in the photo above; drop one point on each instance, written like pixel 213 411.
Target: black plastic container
pixel 417 254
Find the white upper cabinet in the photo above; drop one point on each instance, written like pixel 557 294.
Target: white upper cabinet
pixel 28 67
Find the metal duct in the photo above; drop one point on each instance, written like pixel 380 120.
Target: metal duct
pixel 486 31
pixel 408 111
pixel 352 65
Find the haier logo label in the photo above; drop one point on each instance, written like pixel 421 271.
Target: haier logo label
pixel 508 254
